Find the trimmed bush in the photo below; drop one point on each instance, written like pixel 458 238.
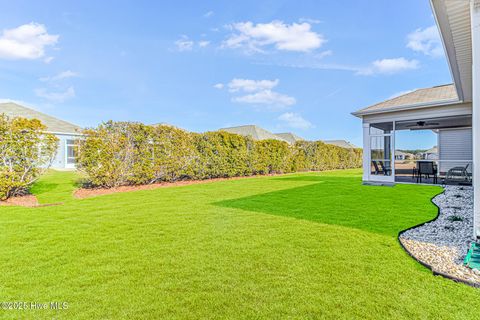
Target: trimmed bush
pixel 122 153
pixel 115 154
pixel 174 154
pixel 272 156
pixel 26 151
pixel 223 154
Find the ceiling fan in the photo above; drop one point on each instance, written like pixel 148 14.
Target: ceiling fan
pixel 423 124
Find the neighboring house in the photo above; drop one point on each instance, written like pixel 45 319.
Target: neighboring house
pixel 341 143
pixel 400 155
pixel 66 132
pixel 255 132
pixel 290 137
pixel 452 110
pixel 431 154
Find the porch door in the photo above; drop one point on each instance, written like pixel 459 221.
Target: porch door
pixel 381 152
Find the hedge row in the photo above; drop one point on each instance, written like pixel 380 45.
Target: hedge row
pixel 125 153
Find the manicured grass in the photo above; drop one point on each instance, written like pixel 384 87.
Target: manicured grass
pixel 300 246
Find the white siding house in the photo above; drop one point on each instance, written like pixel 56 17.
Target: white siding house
pixel 66 132
pixel 452 111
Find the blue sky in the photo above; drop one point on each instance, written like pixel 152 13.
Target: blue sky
pixel 300 66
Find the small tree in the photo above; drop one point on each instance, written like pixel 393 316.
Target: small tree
pixel 26 151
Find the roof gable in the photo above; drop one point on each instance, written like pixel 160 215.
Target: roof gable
pixel 256 132
pixel 53 124
pixel 419 98
pixel 290 137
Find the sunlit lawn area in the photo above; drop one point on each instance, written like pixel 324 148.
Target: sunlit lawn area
pixel 314 245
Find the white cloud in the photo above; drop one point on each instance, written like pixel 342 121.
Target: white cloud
pixel 27 41
pixel 203 43
pixel 389 66
pixel 310 20
pixel 248 85
pixel 266 97
pixel 426 41
pixel 258 92
pixel 294 120
pixel 47 60
pixel 60 76
pixel 184 44
pixel 288 37
pixel 58 97
pixel 208 14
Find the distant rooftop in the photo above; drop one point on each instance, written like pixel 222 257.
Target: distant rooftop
pixel 419 98
pixel 341 143
pixel 290 137
pixel 53 124
pixel 255 132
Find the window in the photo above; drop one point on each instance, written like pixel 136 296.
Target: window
pixel 71 151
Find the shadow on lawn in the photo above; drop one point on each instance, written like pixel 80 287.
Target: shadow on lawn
pixel 346 202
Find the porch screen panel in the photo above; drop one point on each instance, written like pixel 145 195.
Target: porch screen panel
pixel 380 155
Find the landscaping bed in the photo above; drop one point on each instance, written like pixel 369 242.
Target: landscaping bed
pixel 443 243
pixel 24 201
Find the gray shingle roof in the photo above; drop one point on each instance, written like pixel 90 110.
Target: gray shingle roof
pixel 53 124
pixel 290 137
pixel 341 143
pixel 255 132
pixel 416 99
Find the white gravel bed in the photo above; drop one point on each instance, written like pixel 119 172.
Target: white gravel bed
pixel 444 242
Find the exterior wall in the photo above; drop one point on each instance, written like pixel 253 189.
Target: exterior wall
pixel 60 158
pixel 454 144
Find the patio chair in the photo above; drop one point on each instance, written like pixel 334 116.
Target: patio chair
pixel 458 174
pixel 427 169
pixel 386 170
pixel 375 166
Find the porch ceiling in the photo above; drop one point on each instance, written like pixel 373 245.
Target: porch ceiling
pixel 435 123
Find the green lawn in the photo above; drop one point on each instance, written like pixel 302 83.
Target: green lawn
pixel 303 246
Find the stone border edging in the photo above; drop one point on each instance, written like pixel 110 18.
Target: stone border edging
pixel 426 265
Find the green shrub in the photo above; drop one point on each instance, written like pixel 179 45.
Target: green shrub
pixel 272 156
pixel 223 154
pixel 26 151
pixel 115 154
pixel 173 153
pixel 123 153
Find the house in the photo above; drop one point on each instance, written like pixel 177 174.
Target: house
pixel 66 132
pixel 400 155
pixel 341 143
pixel 431 154
pixel 452 110
pixel 290 137
pixel 253 131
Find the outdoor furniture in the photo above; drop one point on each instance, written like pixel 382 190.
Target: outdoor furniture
pixel 386 170
pixel 458 174
pixel 380 168
pixel 375 166
pixel 427 169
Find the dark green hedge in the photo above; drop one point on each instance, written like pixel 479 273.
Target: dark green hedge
pixel 125 153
